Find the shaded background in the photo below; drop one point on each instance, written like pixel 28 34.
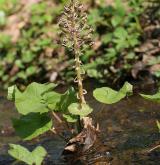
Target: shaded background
pixel 126 39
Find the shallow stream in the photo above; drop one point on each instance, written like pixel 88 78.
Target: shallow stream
pixel 128 132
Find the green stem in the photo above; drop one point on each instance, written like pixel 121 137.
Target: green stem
pixel 138 24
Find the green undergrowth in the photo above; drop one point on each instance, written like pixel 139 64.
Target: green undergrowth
pixel 32 51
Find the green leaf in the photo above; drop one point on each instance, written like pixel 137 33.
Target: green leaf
pixel 155 97
pixel 157 73
pixel 22 75
pixel 32 125
pixel 11 93
pixel 22 154
pixel 116 20
pixel 67 98
pixel 52 99
pixel 94 73
pixel 107 38
pixel 94 17
pixel 2 18
pixel 70 118
pixel 19 64
pixel 27 56
pixel 120 9
pixel 111 54
pixel 5 41
pixel 121 33
pixel 109 96
pixel 83 111
pixel 31 100
pixel 31 70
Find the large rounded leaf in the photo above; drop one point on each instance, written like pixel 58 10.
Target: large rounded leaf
pixel 82 111
pixel 31 100
pixel 109 96
pixel 22 154
pixel 32 125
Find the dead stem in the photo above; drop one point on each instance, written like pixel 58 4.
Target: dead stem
pixel 154 148
pixel 57 117
pixel 77 58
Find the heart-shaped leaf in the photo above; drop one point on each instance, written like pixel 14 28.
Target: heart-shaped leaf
pixel 109 96
pixel 31 100
pixel 22 154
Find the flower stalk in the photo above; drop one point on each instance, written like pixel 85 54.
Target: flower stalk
pixel 76 33
pixel 77 60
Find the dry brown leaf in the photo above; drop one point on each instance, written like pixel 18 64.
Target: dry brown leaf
pixel 155 68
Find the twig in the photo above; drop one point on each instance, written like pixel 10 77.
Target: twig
pixel 53 131
pixel 57 117
pixel 154 148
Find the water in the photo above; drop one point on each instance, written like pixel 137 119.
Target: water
pixel 128 132
pixel 7 112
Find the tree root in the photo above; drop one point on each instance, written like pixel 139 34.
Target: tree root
pixel 84 140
